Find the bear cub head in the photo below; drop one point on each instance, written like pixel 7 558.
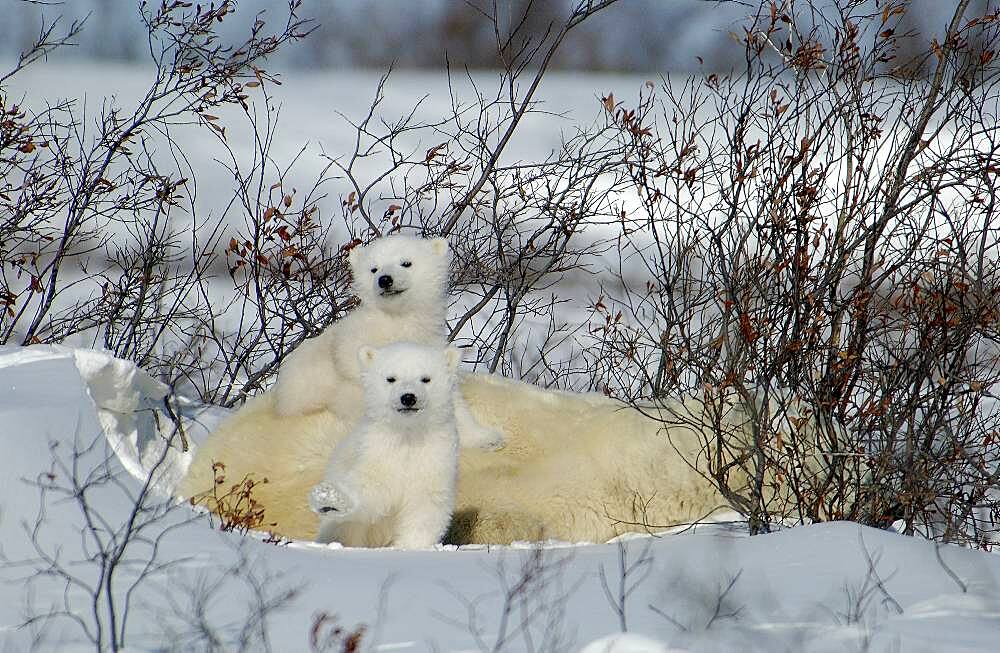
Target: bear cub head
pixel 409 385
pixel 400 274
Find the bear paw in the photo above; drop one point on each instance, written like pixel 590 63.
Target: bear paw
pixel 487 439
pixel 415 541
pixel 329 500
pixel 493 440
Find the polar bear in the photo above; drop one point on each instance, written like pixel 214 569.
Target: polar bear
pixel 401 282
pixel 575 466
pixel 391 481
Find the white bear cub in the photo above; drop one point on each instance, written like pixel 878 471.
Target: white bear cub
pixel 391 481
pixel 402 283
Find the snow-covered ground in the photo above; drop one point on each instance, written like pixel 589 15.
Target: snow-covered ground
pixel 181 585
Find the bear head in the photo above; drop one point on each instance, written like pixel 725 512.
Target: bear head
pixel 409 384
pixel 401 274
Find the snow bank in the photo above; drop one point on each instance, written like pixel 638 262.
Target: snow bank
pixel 627 643
pixel 79 420
pixel 129 406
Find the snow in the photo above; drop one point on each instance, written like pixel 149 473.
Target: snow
pixel 626 643
pixel 826 587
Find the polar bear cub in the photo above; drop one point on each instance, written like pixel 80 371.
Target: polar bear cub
pixel 392 480
pixel 402 282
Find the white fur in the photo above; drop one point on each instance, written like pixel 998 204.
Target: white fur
pixel 323 373
pixel 577 467
pixel 391 481
pixel 574 467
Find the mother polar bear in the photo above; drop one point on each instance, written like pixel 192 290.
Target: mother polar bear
pixel 574 467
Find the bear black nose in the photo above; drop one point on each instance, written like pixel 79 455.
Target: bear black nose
pixel 385 282
pixel 408 400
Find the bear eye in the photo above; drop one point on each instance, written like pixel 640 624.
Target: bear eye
pixel 390 379
pixel 425 379
pixel 406 264
pixel 374 270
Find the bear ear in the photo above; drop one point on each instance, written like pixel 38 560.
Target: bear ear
pixel 440 246
pixel 366 355
pixel 452 357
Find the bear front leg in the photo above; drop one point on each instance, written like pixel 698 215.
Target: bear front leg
pixel 420 528
pixel 347 533
pixel 473 434
pixel 328 499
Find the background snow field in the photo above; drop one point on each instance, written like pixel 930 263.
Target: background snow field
pixel 829 587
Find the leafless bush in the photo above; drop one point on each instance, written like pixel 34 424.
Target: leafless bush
pixel 519 228
pixel 91 590
pixel 532 605
pixel 631 574
pixel 94 242
pixel 188 608
pixel 327 635
pixel 814 244
pixel 120 552
pixel 715 603
pixel 805 246
pixel 134 267
pixel 868 600
pixel 235 505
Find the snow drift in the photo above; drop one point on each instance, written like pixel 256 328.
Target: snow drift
pixel 82 420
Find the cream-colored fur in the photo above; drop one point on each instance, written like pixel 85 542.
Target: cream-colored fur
pixel 391 481
pixel 576 467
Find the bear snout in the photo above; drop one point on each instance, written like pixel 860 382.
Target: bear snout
pixel 385 282
pixel 409 401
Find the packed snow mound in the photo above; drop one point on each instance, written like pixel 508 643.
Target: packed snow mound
pixel 130 407
pixel 628 643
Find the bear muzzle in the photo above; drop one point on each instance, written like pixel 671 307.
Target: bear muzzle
pixel 409 402
pixel 388 286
